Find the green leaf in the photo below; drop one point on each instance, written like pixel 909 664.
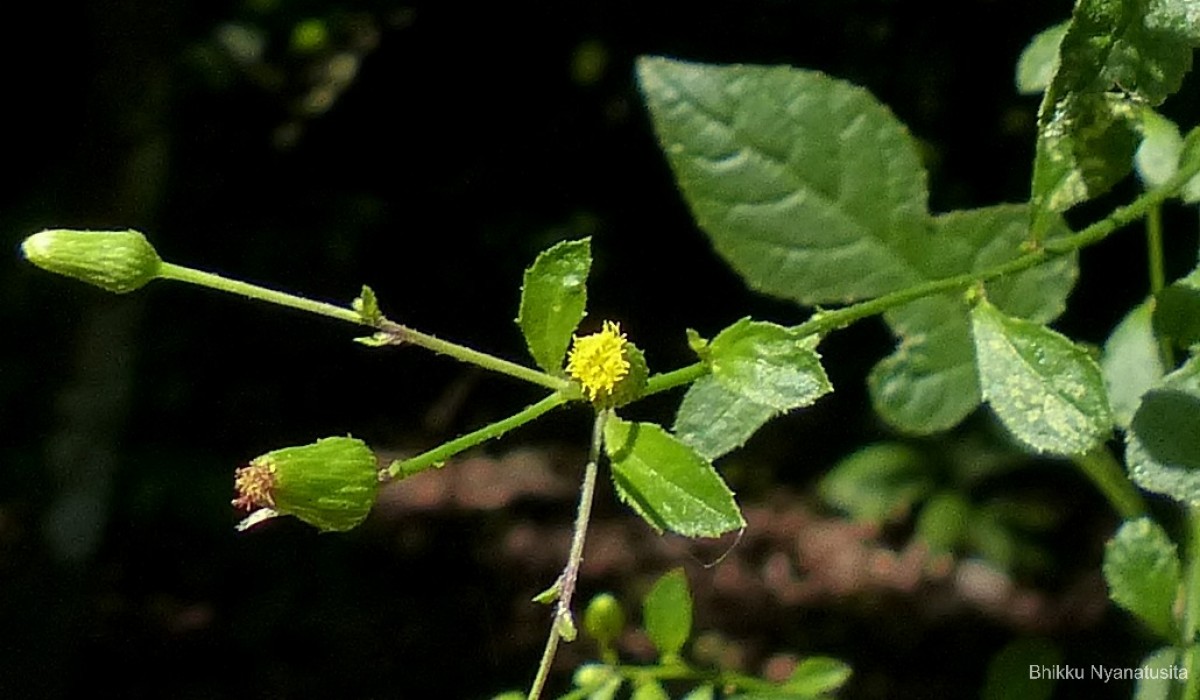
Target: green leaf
pixel 704 692
pixel 1039 60
pixel 1141 566
pixel 714 420
pixel 807 185
pixel 367 307
pixel 1157 157
pixel 877 483
pixel 667 483
pixel 1161 447
pixel 1165 662
pixel 1131 363
pixel 1010 673
pixel 1116 55
pixel 816 676
pixel 649 690
pixel 667 613
pixel 769 365
pixel 1046 390
pixel 553 299
pixel 942 524
pixel 1177 311
pixel 758 371
pixel 930 383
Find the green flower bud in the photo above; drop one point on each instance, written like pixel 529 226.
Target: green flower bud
pixel 604 619
pixel 117 261
pixel 330 484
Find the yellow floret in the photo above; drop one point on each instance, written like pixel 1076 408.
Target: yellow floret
pixel 598 360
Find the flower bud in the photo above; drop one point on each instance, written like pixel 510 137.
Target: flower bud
pixel 604 619
pixel 330 484
pixel 117 261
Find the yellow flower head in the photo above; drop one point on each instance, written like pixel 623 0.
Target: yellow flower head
pixel 598 360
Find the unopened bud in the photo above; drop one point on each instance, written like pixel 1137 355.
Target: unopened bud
pixel 330 484
pixel 604 619
pixel 117 261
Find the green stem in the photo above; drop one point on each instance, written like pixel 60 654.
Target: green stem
pixel 403 468
pixel 393 333
pixel 674 378
pixel 1102 468
pixel 396 334
pixel 1154 249
pixel 570 573
pixel 253 291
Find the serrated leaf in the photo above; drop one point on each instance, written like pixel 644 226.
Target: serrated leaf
pixel 367 307
pixel 1161 458
pixel 1116 54
pixel 714 420
pixel 667 613
pixel 816 676
pixel 553 301
pixel 1039 60
pixel 768 364
pixel 1046 390
pixel 930 383
pixel 1009 674
pixel 667 482
pixel 1141 566
pixel 1131 363
pixel 807 185
pixel 877 483
pixel 758 371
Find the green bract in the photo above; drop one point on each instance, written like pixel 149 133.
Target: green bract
pixel 117 261
pixel 330 484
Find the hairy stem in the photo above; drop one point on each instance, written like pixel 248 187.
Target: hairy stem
pixel 403 468
pixel 393 333
pixel 570 573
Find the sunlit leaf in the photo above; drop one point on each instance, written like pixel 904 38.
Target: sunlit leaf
pixel 1141 566
pixel 1045 389
pixel 553 300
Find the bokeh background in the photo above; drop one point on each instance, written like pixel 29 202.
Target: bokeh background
pixel 431 150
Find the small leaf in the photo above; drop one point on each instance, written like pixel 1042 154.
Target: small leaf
pixel 808 186
pixel 549 595
pixel 649 690
pixel 1177 311
pixel 1011 672
pixel 1161 447
pixel 553 300
pixel 1141 566
pixel 367 307
pixel 1158 686
pixel 1157 158
pixel 667 482
pixel 1046 390
pixel 816 676
pixel 1039 60
pixel 769 365
pixel 714 420
pixel 667 613
pixel 942 524
pixel 1131 363
pixel 877 483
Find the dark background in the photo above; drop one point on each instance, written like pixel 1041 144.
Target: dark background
pixel 451 142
